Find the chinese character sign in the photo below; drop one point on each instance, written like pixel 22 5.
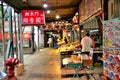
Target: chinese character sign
pixel 33 17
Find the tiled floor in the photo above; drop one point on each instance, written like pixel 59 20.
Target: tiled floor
pixel 45 65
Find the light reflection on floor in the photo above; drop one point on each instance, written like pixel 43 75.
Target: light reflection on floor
pixel 45 65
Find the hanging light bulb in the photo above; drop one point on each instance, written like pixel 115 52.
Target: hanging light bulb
pixel 45 5
pixel 48 11
pixel 57 16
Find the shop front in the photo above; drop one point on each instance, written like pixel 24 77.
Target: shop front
pixel 90 19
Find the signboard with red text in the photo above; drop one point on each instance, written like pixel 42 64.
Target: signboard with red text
pixel 33 17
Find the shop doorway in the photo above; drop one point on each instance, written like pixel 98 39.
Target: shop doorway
pixel 54 33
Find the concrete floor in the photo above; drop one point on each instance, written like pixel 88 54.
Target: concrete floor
pixel 42 65
pixel 1 62
pixel 45 65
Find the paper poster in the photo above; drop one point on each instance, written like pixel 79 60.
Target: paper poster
pixel 111 31
pixel 111 45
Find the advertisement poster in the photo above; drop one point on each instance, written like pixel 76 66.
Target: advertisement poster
pixel 111 45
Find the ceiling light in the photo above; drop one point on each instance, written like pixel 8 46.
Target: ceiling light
pixel 48 11
pixel 57 16
pixel 45 5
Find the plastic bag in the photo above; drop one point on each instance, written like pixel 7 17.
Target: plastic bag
pixel 3 75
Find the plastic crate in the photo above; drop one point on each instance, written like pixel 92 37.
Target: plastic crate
pixel 74 65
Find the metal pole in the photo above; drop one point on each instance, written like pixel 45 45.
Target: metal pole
pixel 3 39
pixel 32 39
pixel 15 35
pixel 4 47
pixel 38 38
pixel 21 48
pixel 20 54
pixel 18 34
pixel 11 32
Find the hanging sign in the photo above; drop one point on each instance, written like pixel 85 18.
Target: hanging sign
pixel 33 17
pixel 75 19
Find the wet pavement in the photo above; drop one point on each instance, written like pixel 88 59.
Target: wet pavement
pixel 45 65
pixel 42 65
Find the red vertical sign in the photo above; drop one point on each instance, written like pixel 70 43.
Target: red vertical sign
pixel 33 17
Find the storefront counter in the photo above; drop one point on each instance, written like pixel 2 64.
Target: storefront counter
pixel 96 55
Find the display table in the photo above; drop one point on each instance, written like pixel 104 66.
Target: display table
pixel 75 63
pixel 78 63
pixel 87 61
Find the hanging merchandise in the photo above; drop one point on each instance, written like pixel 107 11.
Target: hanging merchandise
pixel 111 44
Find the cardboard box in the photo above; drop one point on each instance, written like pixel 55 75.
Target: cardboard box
pixel 19 69
pixel 88 62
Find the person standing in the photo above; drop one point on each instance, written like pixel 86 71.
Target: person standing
pixel 86 44
pixel 55 42
pixel 50 42
pixel 65 39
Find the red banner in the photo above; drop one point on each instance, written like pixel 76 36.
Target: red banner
pixel 33 17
